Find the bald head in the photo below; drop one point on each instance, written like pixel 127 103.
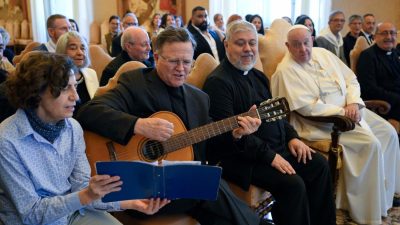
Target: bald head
pixel 386 36
pixel 135 41
pixel 299 43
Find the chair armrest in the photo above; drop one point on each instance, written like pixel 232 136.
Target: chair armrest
pixel 378 106
pixel 340 123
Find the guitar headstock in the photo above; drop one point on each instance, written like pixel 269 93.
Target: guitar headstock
pixel 273 109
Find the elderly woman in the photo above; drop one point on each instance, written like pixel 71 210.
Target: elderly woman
pixel 75 46
pixel 45 176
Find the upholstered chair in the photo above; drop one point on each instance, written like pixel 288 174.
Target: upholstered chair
pixel 95 33
pixel 202 67
pixel 131 65
pixel 27 49
pixel 99 59
pixel 271 47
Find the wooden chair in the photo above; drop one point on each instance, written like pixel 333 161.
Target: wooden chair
pixel 202 67
pixel 131 65
pixel 99 59
pixel 27 49
pixel 378 106
pixel 123 217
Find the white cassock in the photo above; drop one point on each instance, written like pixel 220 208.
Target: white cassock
pixel 322 87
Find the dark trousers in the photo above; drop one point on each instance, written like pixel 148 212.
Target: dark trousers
pixel 302 199
pixel 226 210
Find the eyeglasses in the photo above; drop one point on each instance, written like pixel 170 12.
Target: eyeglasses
pixel 385 33
pixel 176 62
pixel 339 20
pixel 131 24
pixel 143 44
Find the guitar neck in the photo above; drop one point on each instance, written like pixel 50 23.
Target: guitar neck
pixel 205 132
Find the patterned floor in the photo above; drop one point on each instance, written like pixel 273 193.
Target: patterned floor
pixel 343 218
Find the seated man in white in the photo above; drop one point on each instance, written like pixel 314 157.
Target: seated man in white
pixel 316 83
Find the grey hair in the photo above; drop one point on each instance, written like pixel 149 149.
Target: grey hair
pixel 5 35
pixel 62 45
pixel 130 14
pixel 239 26
pixel 334 13
pixel 128 36
pixel 355 17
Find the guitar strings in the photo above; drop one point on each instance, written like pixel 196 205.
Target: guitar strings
pixel 161 148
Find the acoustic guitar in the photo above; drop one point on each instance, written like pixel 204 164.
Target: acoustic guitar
pixel 179 146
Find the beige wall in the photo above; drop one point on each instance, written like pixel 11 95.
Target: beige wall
pixel 103 9
pixel 190 4
pixel 384 10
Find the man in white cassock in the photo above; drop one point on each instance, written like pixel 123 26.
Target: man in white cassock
pixel 317 83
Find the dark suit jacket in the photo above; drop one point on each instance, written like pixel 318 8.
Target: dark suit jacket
pixel 348 44
pixel 377 78
pixel 228 99
pixel 113 66
pixel 203 46
pixel 139 94
pixel 116 45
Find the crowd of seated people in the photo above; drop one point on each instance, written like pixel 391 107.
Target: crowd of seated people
pixel 315 81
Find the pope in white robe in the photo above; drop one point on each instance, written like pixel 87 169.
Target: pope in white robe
pixel 317 83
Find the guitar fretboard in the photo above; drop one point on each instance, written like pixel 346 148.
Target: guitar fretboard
pixel 205 132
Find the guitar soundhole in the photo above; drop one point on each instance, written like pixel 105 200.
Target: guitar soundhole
pixel 153 150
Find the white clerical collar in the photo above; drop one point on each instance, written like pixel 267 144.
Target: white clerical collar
pixel 245 73
pixel 388 53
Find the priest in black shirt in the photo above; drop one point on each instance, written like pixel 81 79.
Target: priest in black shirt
pixel 272 158
pixel 378 69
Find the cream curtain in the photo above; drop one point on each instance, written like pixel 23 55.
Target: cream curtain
pixel 80 11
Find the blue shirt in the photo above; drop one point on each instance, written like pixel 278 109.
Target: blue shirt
pixel 39 180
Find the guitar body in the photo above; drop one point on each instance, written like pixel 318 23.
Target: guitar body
pixel 99 148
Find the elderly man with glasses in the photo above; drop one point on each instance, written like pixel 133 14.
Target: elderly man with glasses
pixel 330 37
pixel 378 69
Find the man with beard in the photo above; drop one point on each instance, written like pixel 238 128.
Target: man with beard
pixel 207 40
pixel 273 157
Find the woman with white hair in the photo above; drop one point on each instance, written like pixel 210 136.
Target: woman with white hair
pixel 75 46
